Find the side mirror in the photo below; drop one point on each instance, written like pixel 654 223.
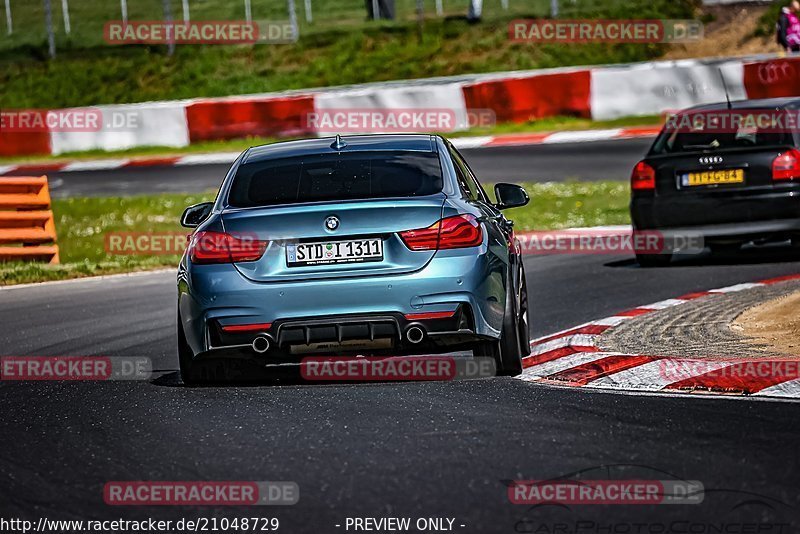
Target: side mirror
pixel 194 215
pixel 510 196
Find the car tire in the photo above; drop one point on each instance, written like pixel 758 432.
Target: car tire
pixel 724 249
pixel 653 260
pixel 523 331
pixel 189 373
pixel 506 350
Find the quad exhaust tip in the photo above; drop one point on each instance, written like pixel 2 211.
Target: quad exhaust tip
pixel 261 344
pixel 415 334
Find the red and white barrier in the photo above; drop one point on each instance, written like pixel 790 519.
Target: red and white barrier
pixel 654 88
pixel 24 143
pixel 442 96
pixel 772 78
pixel 605 92
pixel 532 97
pixel 212 119
pixel 128 126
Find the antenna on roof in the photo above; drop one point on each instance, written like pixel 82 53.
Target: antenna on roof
pixel 338 144
pixel 725 86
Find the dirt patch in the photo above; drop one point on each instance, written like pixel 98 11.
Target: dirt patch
pixel 730 33
pixel 774 323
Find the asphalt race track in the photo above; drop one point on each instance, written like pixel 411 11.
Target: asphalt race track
pixel 392 449
pixel 597 160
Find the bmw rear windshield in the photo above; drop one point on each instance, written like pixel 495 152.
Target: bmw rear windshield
pixel 336 176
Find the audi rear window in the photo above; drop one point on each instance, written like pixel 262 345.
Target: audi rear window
pixel 680 140
pixel 336 176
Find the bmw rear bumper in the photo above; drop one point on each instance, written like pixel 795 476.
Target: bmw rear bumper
pixel 459 282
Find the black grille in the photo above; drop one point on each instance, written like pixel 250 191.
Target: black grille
pixel 330 330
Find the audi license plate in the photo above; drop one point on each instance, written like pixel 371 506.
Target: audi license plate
pixel 726 176
pixel 355 251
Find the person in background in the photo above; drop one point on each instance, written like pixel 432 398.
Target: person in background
pixel 788 28
pixel 385 9
pixel 475 10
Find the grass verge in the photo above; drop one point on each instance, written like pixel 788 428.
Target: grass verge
pixel 86 72
pixel 82 224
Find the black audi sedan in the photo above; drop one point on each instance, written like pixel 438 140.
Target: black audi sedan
pixel 727 172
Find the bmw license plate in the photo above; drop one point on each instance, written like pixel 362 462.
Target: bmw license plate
pixel 329 252
pixel 724 176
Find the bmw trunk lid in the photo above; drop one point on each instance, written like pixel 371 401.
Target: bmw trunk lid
pixel 310 240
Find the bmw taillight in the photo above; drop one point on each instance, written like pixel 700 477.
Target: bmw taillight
pixel 220 247
pixel 460 231
pixel 246 328
pixel 643 177
pixel 787 165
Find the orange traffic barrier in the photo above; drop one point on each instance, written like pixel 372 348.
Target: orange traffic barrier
pixel 26 221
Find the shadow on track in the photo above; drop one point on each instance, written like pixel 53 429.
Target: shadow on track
pixel 257 376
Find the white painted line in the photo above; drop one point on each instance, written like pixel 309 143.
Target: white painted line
pixel 733 289
pixel 556 334
pixel 582 136
pixel 471 142
pixel 576 340
pixel 7 168
pixel 562 364
pixel 208 159
pixel 613 320
pixel 648 376
pixel 784 389
pixel 87 279
pixel 668 393
pixel 96 165
pixel 663 304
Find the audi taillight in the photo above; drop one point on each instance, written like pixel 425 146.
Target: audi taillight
pixel 220 247
pixel 460 231
pixel 787 165
pixel 643 177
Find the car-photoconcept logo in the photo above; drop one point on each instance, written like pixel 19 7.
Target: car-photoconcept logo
pixel 332 223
